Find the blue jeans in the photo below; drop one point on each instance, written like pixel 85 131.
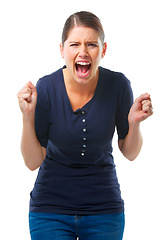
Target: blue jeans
pixel 50 226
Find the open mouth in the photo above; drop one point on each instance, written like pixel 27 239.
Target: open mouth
pixel 83 68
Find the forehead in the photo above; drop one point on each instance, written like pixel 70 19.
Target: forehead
pixel 82 33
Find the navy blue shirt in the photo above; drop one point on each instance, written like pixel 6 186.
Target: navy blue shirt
pixel 78 175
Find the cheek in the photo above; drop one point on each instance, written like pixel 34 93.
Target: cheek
pixel 97 56
pixel 69 56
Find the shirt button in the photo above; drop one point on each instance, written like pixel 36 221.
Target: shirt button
pixel 84 139
pixel 84 129
pixel 84 146
pixel 82 112
pixel 82 154
pixel 83 120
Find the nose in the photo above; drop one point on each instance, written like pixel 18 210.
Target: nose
pixel 83 52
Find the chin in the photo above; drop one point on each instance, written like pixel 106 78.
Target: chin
pixel 85 78
pixel 81 81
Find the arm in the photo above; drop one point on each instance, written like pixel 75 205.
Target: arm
pixel 141 110
pixel 31 149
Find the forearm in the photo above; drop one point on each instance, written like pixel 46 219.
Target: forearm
pixel 30 146
pixel 133 142
pixel 140 110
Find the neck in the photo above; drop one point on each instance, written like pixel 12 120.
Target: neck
pixel 87 89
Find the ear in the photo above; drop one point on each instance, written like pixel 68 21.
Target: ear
pixel 62 50
pixel 104 50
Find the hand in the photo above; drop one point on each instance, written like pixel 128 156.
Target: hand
pixel 27 97
pixel 141 109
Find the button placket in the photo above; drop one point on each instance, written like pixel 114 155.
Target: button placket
pixel 84 130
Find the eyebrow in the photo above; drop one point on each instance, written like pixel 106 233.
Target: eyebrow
pixel 73 42
pixel 94 41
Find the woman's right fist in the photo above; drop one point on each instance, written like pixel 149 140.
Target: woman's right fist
pixel 27 98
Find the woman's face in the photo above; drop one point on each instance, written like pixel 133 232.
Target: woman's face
pixel 82 52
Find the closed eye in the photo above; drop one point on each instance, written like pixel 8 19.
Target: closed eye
pixel 92 45
pixel 73 44
pixel 76 44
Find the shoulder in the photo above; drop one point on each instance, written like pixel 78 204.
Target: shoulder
pixel 47 81
pixel 117 84
pixel 112 75
pixel 115 79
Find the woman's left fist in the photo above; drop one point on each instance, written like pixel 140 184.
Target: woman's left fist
pixel 141 109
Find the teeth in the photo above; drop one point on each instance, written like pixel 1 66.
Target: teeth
pixel 83 63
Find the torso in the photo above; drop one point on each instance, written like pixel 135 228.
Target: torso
pixel 78 175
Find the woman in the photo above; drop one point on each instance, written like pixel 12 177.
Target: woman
pixel 68 126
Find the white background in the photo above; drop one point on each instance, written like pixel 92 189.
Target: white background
pixel 29 48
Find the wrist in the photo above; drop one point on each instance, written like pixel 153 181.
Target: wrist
pixel 28 118
pixel 134 125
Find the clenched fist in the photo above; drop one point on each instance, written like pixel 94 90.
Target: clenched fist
pixel 27 98
pixel 141 109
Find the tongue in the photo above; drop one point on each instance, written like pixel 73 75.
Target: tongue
pixel 82 68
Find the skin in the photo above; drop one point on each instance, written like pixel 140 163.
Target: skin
pixel 83 44
pixel 31 149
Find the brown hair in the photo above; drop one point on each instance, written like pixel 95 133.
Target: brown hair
pixel 83 18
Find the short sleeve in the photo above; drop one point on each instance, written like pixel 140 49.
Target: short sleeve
pixel 42 114
pixel 125 101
